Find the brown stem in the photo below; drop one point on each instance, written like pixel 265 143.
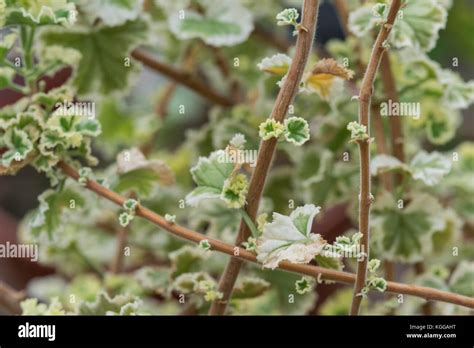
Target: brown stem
pixel 242 254
pixel 285 97
pixel 389 85
pixel 182 77
pixel 380 143
pixel 343 14
pixel 365 200
pixel 385 177
pixel 117 263
pixel 396 135
pixel 189 310
pixel 388 82
pixel 10 298
pixel 165 99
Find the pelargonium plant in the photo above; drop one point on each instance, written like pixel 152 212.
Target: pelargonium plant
pixel 215 157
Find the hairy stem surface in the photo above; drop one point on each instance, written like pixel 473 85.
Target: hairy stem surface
pixel 365 198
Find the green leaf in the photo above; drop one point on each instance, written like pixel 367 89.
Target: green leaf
pixel 457 94
pixel 6 76
pixel 379 10
pixel 204 245
pixel 49 216
pixel 58 55
pixel 290 238
pixel 270 129
pixel 111 12
pixel 250 287
pixel 427 167
pixel 296 130
pixel 338 304
pixel 85 174
pixel 209 174
pixel 418 25
pixel 462 279
pixel 85 287
pixel 200 194
pixel 130 205
pixel 54 97
pixel 140 175
pixel 154 279
pixel 288 16
pixel 441 123
pixel 466 156
pixel 304 285
pixel 329 262
pixel 377 283
pixel 186 259
pixel 358 131
pixel 234 191
pixel 446 238
pixel 384 163
pixel 187 283
pixel 122 284
pixel 89 127
pixel 104 305
pixel 430 167
pixel 61 12
pixel 125 219
pixel 66 135
pixel 215 217
pixel 405 234
pixel 117 124
pixel 277 64
pixel 211 171
pixel 373 265
pixel 6 43
pixel 333 254
pixel 362 20
pixel 102 68
pixel 219 23
pixel 32 307
pixel 18 144
pixel 322 178
pixel 432 281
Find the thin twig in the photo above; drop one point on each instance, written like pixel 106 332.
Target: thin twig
pixel 244 255
pixel 285 97
pixel 182 77
pixel 365 198
pixel 388 82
